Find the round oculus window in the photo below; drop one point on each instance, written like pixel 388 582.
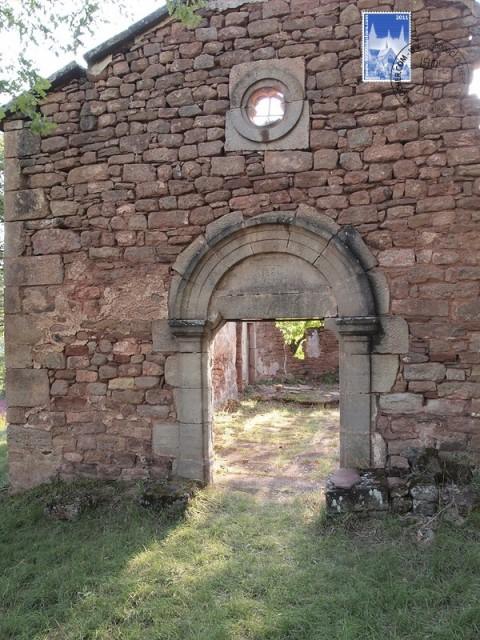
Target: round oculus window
pixel 266 106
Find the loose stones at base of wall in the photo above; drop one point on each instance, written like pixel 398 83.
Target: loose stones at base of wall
pixel 433 482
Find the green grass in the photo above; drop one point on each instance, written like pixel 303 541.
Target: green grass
pixel 3 453
pixel 233 569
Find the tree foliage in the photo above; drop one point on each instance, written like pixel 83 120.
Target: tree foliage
pixel 54 24
pixel 186 11
pixel 60 26
pixel 294 331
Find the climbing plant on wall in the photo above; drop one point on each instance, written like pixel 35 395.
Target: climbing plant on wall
pixel 294 332
pixel 186 11
pixel 61 26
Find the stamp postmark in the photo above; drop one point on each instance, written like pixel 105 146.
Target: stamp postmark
pixel 386 39
pixel 437 63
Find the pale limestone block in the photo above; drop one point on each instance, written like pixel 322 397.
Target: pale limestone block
pixel 165 438
pixel 184 370
pixel 163 338
pixel 26 204
pixel 394 336
pixel 191 442
pixel 384 372
pixel 189 405
pixel 22 329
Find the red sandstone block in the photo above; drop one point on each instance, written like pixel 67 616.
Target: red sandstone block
pixel 397 258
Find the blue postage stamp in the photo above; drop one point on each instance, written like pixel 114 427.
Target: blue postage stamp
pixel 386 55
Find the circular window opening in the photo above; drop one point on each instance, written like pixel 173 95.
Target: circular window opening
pixel 266 106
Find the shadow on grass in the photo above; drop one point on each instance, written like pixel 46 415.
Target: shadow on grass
pixel 49 568
pixel 234 569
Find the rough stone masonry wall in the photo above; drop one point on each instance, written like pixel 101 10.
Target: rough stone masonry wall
pixel 98 210
pixel 274 360
pixel 224 365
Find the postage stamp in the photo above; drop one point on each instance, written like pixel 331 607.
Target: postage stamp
pixel 384 36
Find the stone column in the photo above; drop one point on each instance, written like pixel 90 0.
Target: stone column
pixel 188 372
pixel 355 390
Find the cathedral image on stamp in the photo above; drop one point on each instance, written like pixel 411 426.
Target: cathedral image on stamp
pixel 386 54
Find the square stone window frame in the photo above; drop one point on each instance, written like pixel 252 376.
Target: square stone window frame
pixel 289 72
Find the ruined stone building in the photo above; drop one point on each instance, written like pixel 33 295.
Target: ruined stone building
pixel 164 205
pixel 247 353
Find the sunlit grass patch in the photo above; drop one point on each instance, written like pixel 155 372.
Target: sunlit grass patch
pixel 285 433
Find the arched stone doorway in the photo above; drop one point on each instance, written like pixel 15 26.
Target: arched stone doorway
pixel 277 265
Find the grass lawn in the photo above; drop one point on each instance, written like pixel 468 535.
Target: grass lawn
pixel 235 568
pixel 3 453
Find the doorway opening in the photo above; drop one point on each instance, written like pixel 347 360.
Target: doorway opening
pixel 280 264
pixel 275 397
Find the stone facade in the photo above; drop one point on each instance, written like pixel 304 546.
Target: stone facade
pixel 133 200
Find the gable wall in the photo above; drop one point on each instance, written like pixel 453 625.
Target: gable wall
pixel 136 169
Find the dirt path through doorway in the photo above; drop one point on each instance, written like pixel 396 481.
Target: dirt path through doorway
pixel 276 449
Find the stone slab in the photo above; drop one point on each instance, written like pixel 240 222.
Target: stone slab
pixel 22 329
pixel 27 387
pixel 163 338
pixel 21 143
pixel 26 204
pixel 188 405
pixel 345 478
pixel 184 370
pixel 165 438
pixel 384 372
pixel 18 356
pixel 394 337
pixel 31 271
pixel 191 441
pixel 401 403
pixel 14 239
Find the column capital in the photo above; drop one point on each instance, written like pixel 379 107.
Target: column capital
pixel 187 328
pixel 358 325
